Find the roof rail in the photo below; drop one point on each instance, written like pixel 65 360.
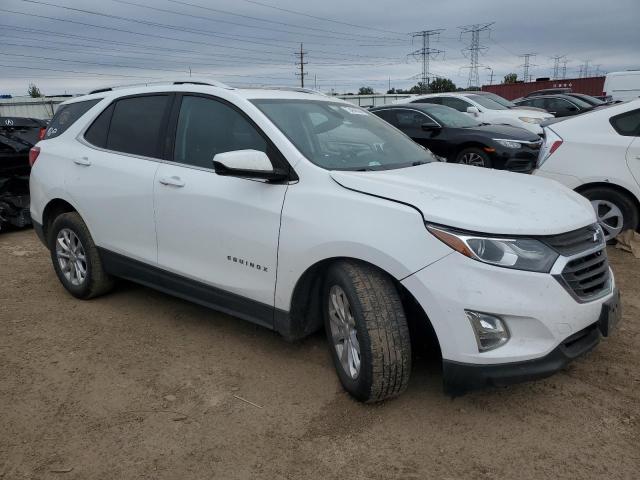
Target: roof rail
pixel 291 89
pixel 185 81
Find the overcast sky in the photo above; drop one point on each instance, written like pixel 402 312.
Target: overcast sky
pixel 73 46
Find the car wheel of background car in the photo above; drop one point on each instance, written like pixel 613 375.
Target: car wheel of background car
pixel 615 211
pixel 367 331
pixel 475 157
pixel 75 258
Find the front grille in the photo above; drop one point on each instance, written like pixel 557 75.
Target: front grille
pixel 588 276
pixel 576 241
pixel 520 165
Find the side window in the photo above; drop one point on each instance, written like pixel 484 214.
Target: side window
pixel 557 105
pixel 67 115
pixel 627 124
pixel 136 124
pixel 456 103
pixel 386 115
pixel 434 100
pixel 207 127
pixel 538 103
pixel 97 133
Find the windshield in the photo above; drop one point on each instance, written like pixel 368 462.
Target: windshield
pixel 498 99
pixel 336 136
pixel 449 117
pixel 486 102
pixel 587 102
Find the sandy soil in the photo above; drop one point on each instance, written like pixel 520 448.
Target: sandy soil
pixel 138 384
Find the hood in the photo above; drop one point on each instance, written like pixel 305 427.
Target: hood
pixel 506 132
pixel 477 199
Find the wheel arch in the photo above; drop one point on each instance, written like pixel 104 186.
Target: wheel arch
pixel 469 144
pixel 52 210
pixel 305 315
pixel 612 186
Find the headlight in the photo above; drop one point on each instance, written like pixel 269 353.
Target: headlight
pixel 531 120
pixel 517 253
pixel 507 143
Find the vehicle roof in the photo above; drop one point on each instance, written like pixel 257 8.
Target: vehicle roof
pixel 415 106
pixel 242 93
pixel 566 96
pixel 625 72
pixel 598 114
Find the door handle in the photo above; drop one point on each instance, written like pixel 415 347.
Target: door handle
pixel 172 181
pixel 84 161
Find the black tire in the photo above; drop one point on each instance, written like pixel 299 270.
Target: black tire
pixel 629 209
pixel 96 281
pixel 381 329
pixel 486 161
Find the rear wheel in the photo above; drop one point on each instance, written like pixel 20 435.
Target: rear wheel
pixel 75 258
pixel 615 211
pixel 474 157
pixel 367 331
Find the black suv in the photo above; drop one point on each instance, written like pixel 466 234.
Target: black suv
pixel 559 105
pixel 456 137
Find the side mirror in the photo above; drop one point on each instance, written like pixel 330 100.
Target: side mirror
pixel 572 108
pixel 430 127
pixel 473 111
pixel 247 164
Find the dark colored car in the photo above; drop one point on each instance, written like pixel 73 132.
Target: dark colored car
pixel 504 102
pixel 459 138
pixel 593 101
pixel 547 91
pixel 17 136
pixel 559 105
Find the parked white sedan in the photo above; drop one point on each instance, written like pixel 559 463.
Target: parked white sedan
pixel 598 155
pixel 485 110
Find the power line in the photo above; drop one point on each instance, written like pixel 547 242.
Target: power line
pixel 474 50
pixel 300 64
pixel 426 53
pixel 527 65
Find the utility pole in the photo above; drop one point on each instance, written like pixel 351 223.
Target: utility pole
pixel 527 65
pixel 426 53
pixel 300 65
pixel 556 66
pixel 473 50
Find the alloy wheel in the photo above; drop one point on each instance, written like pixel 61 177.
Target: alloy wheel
pixel 472 158
pixel 610 218
pixel 71 257
pixel 344 336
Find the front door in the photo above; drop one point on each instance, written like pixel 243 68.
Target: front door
pixel 219 231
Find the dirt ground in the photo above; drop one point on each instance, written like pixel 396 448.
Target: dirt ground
pixel 138 384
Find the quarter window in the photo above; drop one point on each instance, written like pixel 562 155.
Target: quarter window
pixel 97 133
pixel 67 116
pixel 136 125
pixel 207 127
pixel 627 124
pixel 456 103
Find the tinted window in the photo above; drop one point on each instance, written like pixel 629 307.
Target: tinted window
pixel 136 124
pixel 434 100
pixel 487 102
pixel 67 115
pixel 538 103
pixel 558 105
pixel 456 103
pixel 96 134
pixel 451 118
pixel 207 127
pixel 410 119
pixel 627 124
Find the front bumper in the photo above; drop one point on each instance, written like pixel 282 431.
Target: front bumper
pixel 522 160
pixel 540 313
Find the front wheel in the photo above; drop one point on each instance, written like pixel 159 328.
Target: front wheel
pixel 367 331
pixel 474 157
pixel 615 211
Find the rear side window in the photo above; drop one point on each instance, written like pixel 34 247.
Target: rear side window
pixel 66 116
pixel 97 133
pixel 207 127
pixel 136 124
pixel 627 124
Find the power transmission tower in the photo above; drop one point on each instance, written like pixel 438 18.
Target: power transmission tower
pixel 473 50
pixel 527 65
pixel 584 69
pixel 564 68
pixel 556 65
pixel 300 65
pixel 426 53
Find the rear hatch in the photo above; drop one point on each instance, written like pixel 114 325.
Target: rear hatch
pixel 17 136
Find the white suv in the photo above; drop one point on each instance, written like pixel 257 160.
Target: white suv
pixel 293 210
pixel 485 109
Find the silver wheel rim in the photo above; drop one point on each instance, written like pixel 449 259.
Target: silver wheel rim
pixel 71 257
pixel 472 158
pixel 610 218
pixel 344 336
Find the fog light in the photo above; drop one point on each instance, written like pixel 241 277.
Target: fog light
pixel 491 331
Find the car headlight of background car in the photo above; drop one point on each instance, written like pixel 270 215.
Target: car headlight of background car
pixel 531 120
pixel 507 143
pixel 517 253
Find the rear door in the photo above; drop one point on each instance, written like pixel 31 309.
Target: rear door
pixel 220 231
pixel 111 181
pixel 628 125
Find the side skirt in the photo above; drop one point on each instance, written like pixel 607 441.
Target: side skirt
pixel 188 289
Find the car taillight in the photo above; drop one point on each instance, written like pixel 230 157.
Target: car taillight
pixel 42 133
pixel 33 155
pixel 552 142
pixel 554 146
